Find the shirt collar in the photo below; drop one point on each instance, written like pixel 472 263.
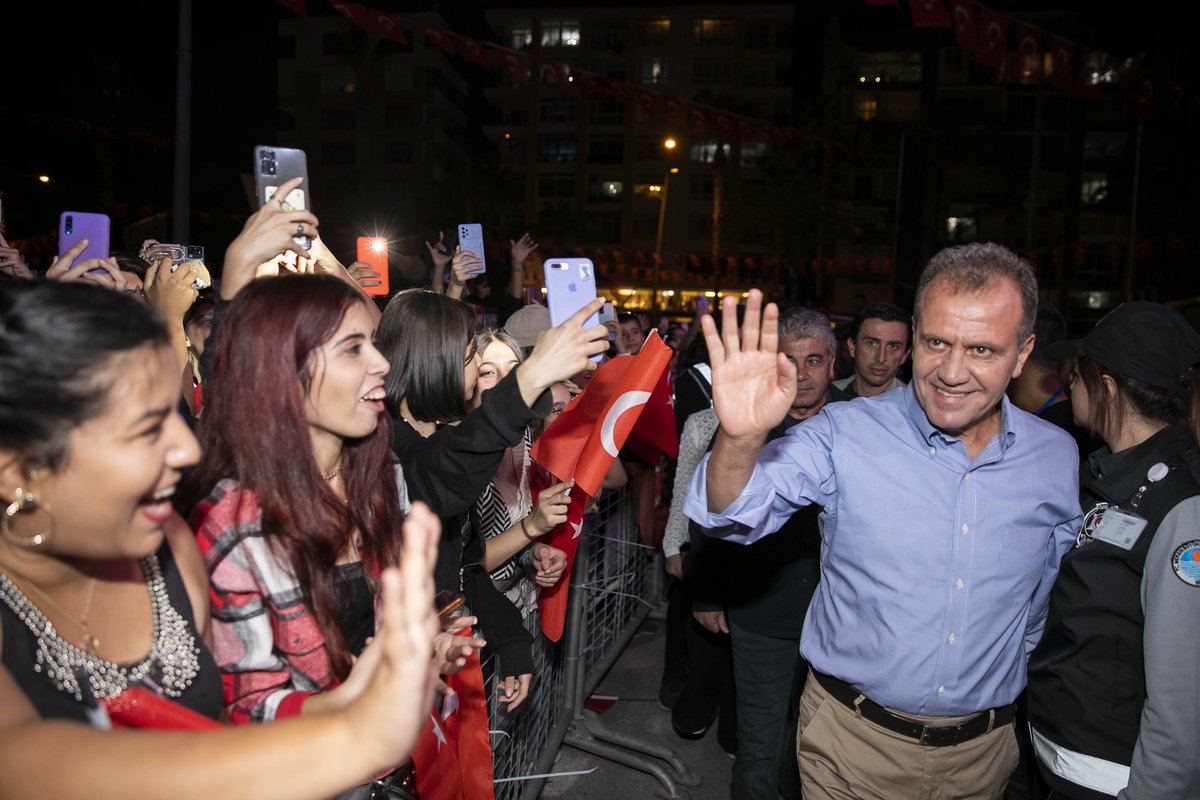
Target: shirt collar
pixel 1116 476
pixel 928 433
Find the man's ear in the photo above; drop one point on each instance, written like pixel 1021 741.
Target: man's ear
pixel 1023 355
pixel 850 346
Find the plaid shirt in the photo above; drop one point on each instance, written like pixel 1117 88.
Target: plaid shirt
pixel 265 638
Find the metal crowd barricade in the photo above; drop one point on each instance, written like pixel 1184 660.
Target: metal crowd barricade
pixel 615 584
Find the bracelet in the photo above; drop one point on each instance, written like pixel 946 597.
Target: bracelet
pixel 526 531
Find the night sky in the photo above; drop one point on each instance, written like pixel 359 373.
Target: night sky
pixel 72 71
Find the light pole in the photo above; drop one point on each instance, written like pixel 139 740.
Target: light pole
pixel 669 144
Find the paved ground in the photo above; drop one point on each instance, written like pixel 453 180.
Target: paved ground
pixel 634 681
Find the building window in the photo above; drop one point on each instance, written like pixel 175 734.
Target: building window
pixel 521 36
pixel 700 187
pixel 396 116
pixel 1094 189
pixel 655 31
pixel 337 119
pixel 558 109
pixel 607 112
pixel 645 224
pixel 560 33
pixel 706 151
pixel 605 190
pixel 615 37
pixel 653 70
pixel 398 153
pixel 712 70
pixel 604 227
pixel 712 31
pixel 606 150
pixel 888 67
pixel 555 149
pixel 759 34
pixel 552 187
pixel 517 113
pixel 337 154
pixel 960 229
pixel 700 225
pixel 336 44
pixel 753 153
pixel 866 106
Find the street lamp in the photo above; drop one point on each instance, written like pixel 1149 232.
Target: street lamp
pixel 669 144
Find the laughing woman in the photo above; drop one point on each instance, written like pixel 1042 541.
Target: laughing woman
pixel 102 587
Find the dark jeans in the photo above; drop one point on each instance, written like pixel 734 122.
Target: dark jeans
pixel 709 692
pixel 764 670
pixel 675 660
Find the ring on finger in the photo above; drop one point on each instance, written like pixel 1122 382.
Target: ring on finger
pixel 299 228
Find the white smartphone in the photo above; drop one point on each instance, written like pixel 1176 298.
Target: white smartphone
pixel 570 285
pixel 470 239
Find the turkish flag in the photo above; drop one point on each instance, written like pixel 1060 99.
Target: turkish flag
pixel 297 7
pixel 647 101
pixel 453 756
pixel 654 433
pixel 388 26
pixel 619 90
pixel 724 124
pixel 1029 50
pixel 138 707
pixel 929 14
pixel 1062 61
pixel 552 72
pixel 746 130
pixel 674 111
pixel 590 81
pixel 474 51
pixel 966 27
pixel 440 39
pixel 583 443
pixel 359 16
pixel 516 64
pixel 993 38
pixel 697 118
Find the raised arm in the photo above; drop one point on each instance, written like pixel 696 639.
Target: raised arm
pixel 753 387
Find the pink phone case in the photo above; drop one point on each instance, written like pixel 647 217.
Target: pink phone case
pixel 74 226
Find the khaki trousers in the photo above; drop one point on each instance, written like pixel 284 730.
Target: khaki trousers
pixel 845 757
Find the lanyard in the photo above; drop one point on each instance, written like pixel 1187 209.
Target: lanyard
pixel 1049 402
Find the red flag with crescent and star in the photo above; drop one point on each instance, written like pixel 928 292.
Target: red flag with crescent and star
pixel 582 444
pixel 453 756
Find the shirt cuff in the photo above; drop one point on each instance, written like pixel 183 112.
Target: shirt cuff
pixel 741 520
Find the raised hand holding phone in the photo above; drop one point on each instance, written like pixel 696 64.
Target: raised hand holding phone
pixel 470 240
pixel 373 253
pixel 267 234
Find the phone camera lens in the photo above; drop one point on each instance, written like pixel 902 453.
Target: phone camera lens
pixel 69 225
pixel 268 166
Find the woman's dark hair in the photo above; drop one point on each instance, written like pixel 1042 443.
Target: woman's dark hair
pixel 57 343
pixel 424 335
pixel 131 263
pixel 1107 416
pixel 254 429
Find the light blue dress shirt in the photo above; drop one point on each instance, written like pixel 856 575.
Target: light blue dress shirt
pixel 935 570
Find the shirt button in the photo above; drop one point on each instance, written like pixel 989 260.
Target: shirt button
pixel 941 690
pixel 933 451
pixel 958 584
pixel 965 527
pixel 951 639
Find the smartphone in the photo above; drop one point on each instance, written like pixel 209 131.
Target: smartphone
pixel 570 285
pixel 470 237
pixel 175 252
pixel 702 305
pixel 277 165
pixel 448 605
pixel 607 315
pixel 76 225
pixel 373 250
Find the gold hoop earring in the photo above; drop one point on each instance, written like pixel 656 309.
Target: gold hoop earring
pixel 26 503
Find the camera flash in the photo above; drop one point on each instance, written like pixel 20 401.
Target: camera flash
pixel 377 245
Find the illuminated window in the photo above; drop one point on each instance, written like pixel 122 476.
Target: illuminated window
pixel 712 31
pixel 655 31
pixel 706 151
pixel 1094 189
pixel 555 149
pixel 653 70
pixel 866 107
pixel 960 229
pixel 521 36
pixel 560 33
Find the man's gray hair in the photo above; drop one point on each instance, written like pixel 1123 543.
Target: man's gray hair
pixel 799 322
pixel 971 267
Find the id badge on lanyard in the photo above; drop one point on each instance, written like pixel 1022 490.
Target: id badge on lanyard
pixel 1123 526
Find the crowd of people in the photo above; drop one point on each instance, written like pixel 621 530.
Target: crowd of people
pixel 968 568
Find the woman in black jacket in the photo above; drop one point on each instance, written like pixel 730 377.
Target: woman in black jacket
pixel 449 456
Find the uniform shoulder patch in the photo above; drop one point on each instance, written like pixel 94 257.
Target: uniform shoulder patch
pixel 1186 562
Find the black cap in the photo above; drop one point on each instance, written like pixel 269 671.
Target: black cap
pixel 1141 340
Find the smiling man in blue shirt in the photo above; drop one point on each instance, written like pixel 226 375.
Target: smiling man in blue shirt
pixel 947 513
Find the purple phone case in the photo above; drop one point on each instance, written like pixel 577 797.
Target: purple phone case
pixel 470 238
pixel 570 289
pixel 76 225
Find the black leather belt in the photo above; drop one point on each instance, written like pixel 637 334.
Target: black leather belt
pixel 929 735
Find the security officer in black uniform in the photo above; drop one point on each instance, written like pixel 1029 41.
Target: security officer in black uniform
pixel 1114 700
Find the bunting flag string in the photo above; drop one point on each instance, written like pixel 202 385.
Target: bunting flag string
pixel 1067 66
pixel 521 69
